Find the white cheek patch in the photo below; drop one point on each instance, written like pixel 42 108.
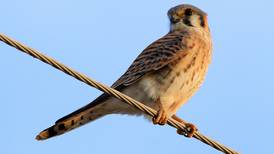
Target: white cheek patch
pixel 195 20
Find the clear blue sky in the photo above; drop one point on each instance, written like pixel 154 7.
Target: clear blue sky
pixel 101 38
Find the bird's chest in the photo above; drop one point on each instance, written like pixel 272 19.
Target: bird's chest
pixel 177 82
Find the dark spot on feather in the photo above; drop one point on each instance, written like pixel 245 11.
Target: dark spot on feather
pixel 187 67
pixel 192 63
pixel 52 132
pixel 72 122
pixel 183 84
pixel 82 117
pixel 172 80
pixel 61 127
pixel 192 45
pixel 193 74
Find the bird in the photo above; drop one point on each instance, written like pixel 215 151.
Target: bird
pixel 164 76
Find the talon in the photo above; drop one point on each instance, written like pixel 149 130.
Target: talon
pixel 160 118
pixel 154 120
pixel 191 129
pixel 164 120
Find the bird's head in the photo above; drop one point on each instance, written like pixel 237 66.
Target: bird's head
pixel 185 15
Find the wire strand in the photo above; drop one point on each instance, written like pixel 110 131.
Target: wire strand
pixel 172 122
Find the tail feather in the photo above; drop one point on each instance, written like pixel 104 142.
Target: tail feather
pixel 88 113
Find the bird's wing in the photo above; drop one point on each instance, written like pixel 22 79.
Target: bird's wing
pixel 162 52
pixel 157 55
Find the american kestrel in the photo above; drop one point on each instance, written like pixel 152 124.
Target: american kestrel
pixel 164 76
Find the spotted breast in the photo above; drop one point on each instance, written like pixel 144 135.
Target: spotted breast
pixel 177 82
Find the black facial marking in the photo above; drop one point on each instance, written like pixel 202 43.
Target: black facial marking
pixel 61 127
pixel 174 21
pixel 188 12
pixel 187 21
pixel 72 122
pixel 82 117
pixel 202 21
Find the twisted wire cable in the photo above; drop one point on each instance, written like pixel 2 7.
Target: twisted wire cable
pixel 172 122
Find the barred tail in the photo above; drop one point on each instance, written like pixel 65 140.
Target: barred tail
pixel 88 113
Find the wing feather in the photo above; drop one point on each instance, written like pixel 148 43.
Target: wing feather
pixel 154 57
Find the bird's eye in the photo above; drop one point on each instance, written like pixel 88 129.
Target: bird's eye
pixel 188 12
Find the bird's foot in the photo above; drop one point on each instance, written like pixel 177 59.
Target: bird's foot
pixel 161 117
pixel 191 129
